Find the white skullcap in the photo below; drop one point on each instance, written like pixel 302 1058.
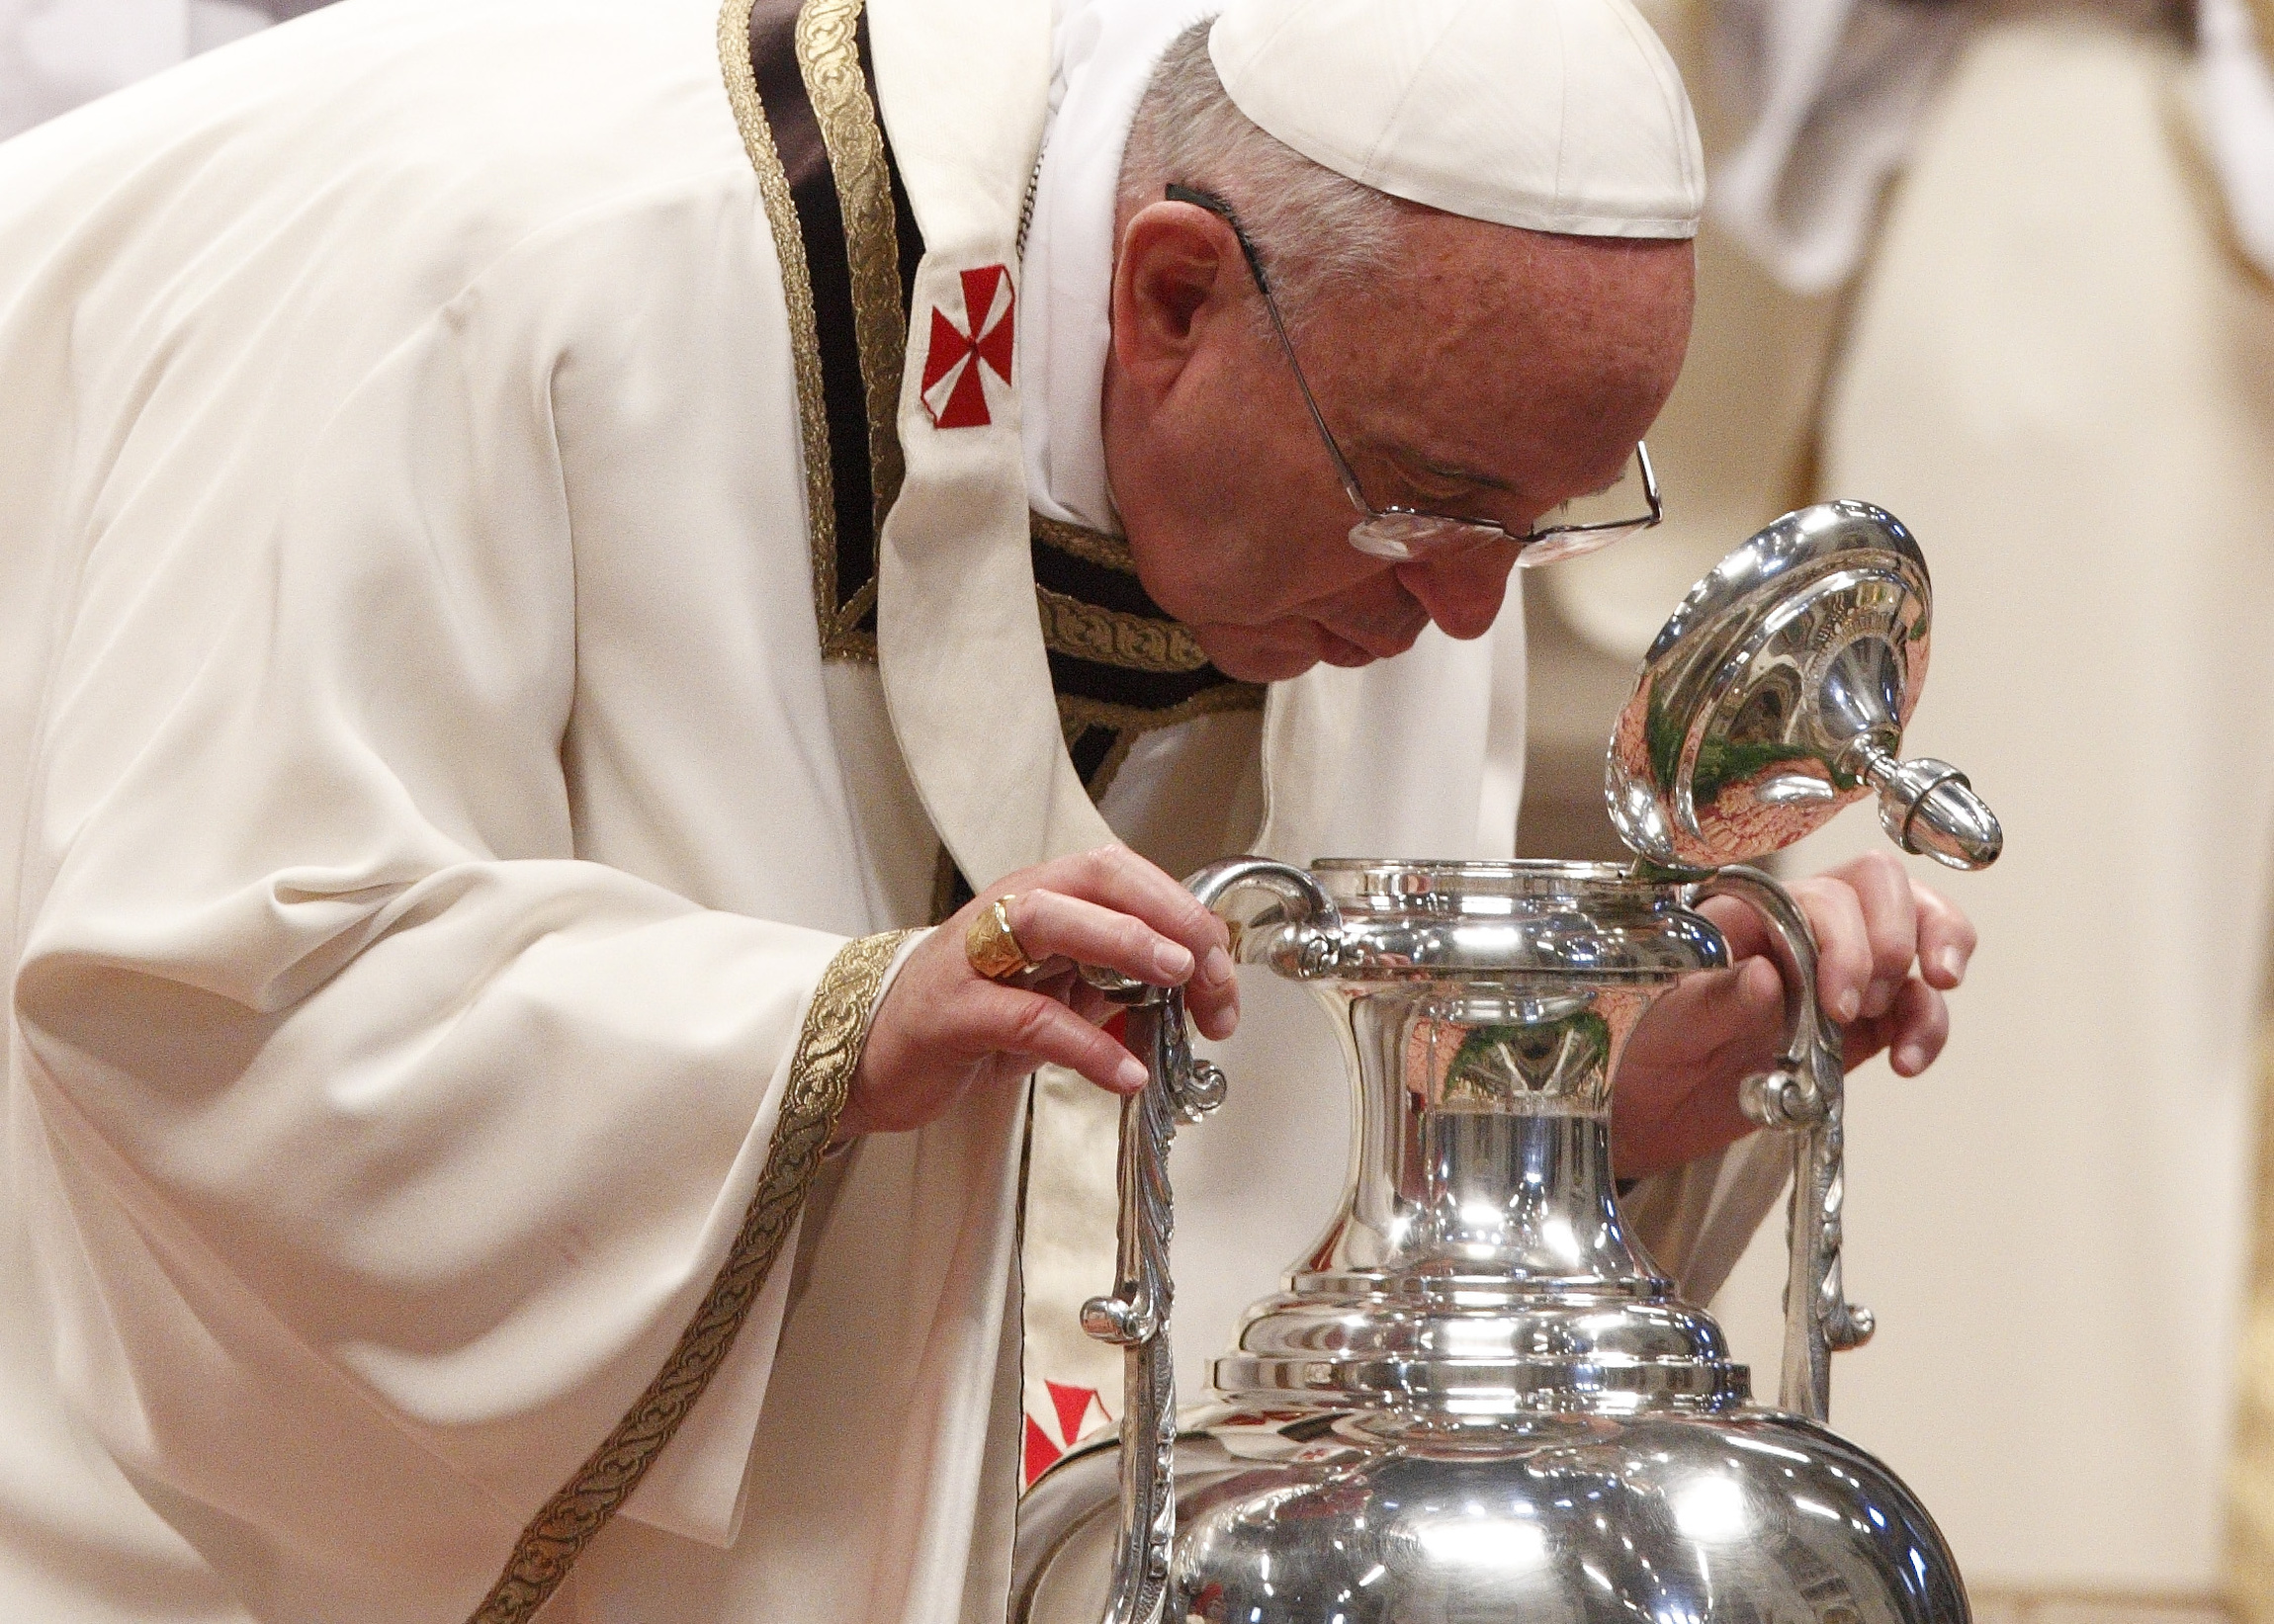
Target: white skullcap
pixel 1552 115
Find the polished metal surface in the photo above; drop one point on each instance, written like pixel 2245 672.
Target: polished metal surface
pixel 1477 1398
pixel 1135 1316
pixel 1805 1091
pixel 1484 1007
pixel 1776 695
pixel 1313 1518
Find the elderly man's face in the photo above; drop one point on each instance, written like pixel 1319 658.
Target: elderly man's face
pixel 1495 372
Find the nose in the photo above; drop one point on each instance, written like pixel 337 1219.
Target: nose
pixel 1461 590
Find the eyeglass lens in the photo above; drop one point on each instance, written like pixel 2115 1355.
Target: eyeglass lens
pixel 1403 537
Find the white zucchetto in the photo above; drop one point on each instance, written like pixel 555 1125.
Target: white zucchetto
pixel 1558 115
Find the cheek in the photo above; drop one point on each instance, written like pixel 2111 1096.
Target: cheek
pixel 1260 653
pixel 1254 448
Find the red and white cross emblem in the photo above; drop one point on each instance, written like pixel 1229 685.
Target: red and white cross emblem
pixel 1072 1408
pixel 954 362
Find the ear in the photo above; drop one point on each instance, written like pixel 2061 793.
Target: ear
pixel 1178 277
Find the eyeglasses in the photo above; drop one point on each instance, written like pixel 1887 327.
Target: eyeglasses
pixel 1404 533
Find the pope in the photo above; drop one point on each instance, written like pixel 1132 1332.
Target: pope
pixel 548 539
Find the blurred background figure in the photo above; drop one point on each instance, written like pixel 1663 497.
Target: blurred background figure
pixel 2002 268
pixel 56 54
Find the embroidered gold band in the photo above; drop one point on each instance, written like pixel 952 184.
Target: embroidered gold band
pixel 799 86
pixel 1090 546
pixel 829 56
pixel 1074 712
pixel 1135 643
pixel 1127 723
pixel 820 1071
pixel 797 293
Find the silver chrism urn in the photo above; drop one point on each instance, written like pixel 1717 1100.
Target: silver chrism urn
pixel 1477 1398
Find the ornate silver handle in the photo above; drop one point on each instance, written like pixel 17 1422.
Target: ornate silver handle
pixel 1807 1093
pixel 1178 1087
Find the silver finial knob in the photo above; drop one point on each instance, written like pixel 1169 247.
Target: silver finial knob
pixel 1928 807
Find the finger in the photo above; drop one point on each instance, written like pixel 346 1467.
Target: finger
pixel 1921 1025
pixel 1116 877
pixel 1675 1095
pixel 1086 1001
pixel 1649 1134
pixel 1882 887
pixel 1214 1010
pixel 1031 1030
pixel 1720 1007
pixel 1843 945
pixel 1947 938
pixel 1739 926
pixel 1051 926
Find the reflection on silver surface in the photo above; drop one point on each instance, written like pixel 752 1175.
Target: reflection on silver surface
pixel 1304 1518
pixel 1777 693
pixel 1477 1398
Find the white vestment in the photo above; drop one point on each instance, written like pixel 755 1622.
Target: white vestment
pixel 450 879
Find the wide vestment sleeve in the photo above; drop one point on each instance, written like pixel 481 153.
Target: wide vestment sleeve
pixel 381 1148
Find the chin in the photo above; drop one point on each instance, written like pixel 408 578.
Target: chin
pixel 1274 667
pixel 1267 654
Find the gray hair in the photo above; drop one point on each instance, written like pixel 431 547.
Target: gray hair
pixel 1311 227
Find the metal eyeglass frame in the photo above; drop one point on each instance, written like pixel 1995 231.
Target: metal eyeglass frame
pixel 1404 533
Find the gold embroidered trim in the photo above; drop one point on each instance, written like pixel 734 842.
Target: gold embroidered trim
pixel 1130 723
pixel 1109 638
pixel 797 294
pixel 820 1071
pixel 1090 545
pixel 1076 714
pixel 828 57
pixel 854 643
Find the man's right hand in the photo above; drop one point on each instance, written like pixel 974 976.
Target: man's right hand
pixel 944 1029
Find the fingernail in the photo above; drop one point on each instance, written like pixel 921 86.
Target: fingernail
pixel 1911 1059
pixel 1880 1000
pixel 1216 968
pixel 1129 1075
pixel 1847 1006
pixel 1952 964
pixel 1172 961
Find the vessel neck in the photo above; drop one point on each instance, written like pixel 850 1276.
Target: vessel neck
pixel 1481 1270
pixel 1518 1197
pixel 1483 1151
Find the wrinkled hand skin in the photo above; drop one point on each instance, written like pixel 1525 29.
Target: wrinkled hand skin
pixel 1888 949
pixel 943 1030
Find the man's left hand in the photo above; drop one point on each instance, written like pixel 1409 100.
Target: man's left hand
pixel 1888 950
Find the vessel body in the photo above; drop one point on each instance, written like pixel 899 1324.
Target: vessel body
pixel 1335 1515
pixel 1477 1401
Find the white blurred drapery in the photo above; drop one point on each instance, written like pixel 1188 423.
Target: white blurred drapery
pixel 2054 360
pixel 57 53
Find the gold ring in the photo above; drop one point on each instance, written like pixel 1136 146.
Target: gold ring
pixel 992 945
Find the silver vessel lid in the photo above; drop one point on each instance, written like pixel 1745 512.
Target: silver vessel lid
pixel 1776 695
